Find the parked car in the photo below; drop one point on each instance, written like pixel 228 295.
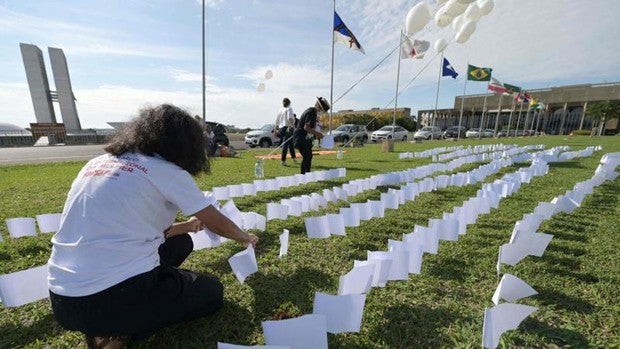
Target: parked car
pixel 389 132
pixel 488 132
pixel 472 133
pixel 345 132
pixel 455 132
pixel 428 132
pixel 263 137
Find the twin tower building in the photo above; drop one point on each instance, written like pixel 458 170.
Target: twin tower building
pixel 42 96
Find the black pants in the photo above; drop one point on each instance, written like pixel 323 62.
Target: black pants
pixel 288 146
pixel 305 149
pixel 142 304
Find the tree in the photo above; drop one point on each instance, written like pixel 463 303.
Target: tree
pixel 603 112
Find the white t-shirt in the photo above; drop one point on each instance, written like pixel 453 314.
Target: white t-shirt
pixel 285 117
pixel 113 221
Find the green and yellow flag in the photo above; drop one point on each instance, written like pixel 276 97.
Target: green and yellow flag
pixel 478 74
pixel 512 89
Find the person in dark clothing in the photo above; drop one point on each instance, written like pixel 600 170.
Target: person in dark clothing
pixel 306 131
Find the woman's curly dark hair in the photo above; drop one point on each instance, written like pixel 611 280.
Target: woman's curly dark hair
pixel 165 130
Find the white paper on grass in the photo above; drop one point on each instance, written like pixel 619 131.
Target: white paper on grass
pixel 565 203
pixel 327 142
pixel 24 286
pixel 21 226
pixel 48 223
pixel 511 288
pixel 399 267
pixel 272 184
pixel 415 252
pixel 221 193
pixel 230 210
pixel 317 227
pixel 260 185
pixel 244 263
pixel 221 345
pixel 276 211
pixel 363 209
pixel 313 203
pixel 235 190
pixel 377 208
pixel 350 217
pixel 445 228
pixel 304 332
pixel 284 243
pixel 205 239
pixel 501 318
pixel 294 207
pixel 391 200
pixel 430 239
pixel 320 199
pixel 381 272
pixel 343 312
pixel 335 223
pixel 341 194
pixel 329 195
pixel 356 281
pixel 304 201
pixel 248 189
pixel 546 209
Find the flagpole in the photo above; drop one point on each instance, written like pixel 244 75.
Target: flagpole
pixel 437 94
pixel 458 137
pixel 519 117
pixel 400 51
pixel 527 119
pixel 204 83
pixel 499 110
pixel 331 85
pixel 512 109
pixel 484 107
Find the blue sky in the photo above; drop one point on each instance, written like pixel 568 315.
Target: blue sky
pixel 123 55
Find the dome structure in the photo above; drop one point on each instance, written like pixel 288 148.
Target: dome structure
pixel 5 126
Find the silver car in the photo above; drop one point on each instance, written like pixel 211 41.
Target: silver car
pixel 389 132
pixel 428 132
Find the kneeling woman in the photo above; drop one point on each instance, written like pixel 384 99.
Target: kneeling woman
pixel 113 272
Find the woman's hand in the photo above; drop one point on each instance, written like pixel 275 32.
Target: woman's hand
pixel 192 225
pixel 251 240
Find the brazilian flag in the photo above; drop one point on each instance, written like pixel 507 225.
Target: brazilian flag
pixel 478 74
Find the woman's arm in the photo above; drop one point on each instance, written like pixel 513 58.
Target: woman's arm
pixel 215 221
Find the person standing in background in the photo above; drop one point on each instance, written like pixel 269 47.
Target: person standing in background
pixel 285 123
pixel 306 131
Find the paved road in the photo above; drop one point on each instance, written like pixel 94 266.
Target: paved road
pixel 59 153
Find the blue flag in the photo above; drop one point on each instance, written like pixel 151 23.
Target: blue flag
pixel 448 70
pixel 343 35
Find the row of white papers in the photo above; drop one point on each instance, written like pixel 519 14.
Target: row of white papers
pixel 343 312
pixel 259 185
pixel 25 226
pixel 526 241
pixel 495 148
pixel 428 153
pixel 296 206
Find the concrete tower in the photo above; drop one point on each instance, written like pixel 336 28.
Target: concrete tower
pixel 38 84
pixel 64 93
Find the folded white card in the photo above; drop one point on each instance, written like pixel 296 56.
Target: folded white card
pixel 304 332
pixel 21 226
pixel 244 263
pixel 511 288
pixel 24 286
pixel 48 223
pixel 356 281
pixel 343 313
pixel 501 318
pixel 284 243
pixel 317 227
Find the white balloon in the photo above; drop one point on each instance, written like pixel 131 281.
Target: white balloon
pixel 260 87
pixel 442 19
pixel 454 8
pixel 268 74
pixel 486 6
pixel 417 17
pixel 440 45
pixel 468 28
pixel 457 23
pixel 461 37
pixel 473 12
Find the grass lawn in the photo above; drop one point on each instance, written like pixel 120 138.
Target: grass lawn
pixel 577 278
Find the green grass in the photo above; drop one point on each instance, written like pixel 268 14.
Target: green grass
pixel 577 278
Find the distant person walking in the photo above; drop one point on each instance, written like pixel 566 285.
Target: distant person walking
pixel 285 124
pixel 307 130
